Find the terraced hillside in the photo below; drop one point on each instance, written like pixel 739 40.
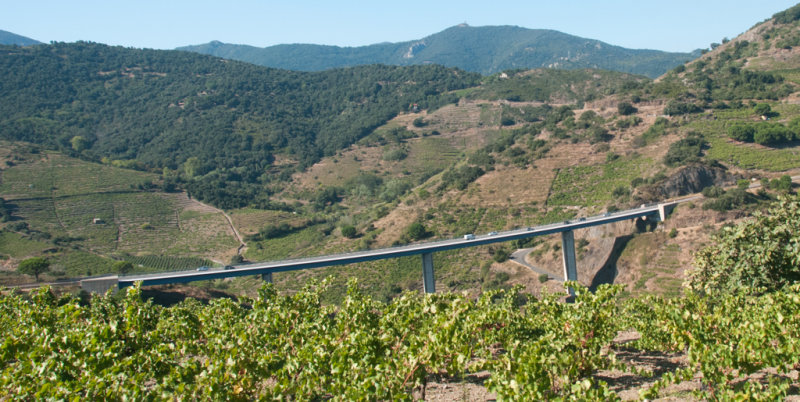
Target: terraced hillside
pixel 521 148
pixel 543 162
pixel 86 216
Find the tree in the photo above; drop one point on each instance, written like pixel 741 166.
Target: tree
pixel 501 255
pixel 417 231
pixel 349 231
pixel 79 143
pixel 191 167
pixel 675 108
pixel 772 134
pixel 763 109
pixel 689 149
pixel 761 254
pixel 782 184
pixel 122 267
pixel 34 266
pixel 625 108
pixel 741 132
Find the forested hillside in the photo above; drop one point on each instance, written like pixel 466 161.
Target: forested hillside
pixel 317 163
pixel 219 121
pixel 486 50
pixel 701 306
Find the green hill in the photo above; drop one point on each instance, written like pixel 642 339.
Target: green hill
pixel 486 50
pixel 334 161
pixel 84 217
pixel 223 123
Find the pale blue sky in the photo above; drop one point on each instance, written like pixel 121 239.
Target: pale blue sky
pixel 673 25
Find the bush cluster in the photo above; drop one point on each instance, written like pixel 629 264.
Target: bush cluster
pixel 764 133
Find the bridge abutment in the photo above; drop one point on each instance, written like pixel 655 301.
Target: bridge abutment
pixel 101 285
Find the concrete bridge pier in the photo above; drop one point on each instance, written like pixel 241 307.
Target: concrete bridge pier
pixel 568 258
pixel 267 277
pixel 428 281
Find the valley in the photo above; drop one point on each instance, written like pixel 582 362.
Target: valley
pixel 517 151
pixel 143 163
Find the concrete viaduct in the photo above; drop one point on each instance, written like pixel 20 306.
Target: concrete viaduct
pixel 658 212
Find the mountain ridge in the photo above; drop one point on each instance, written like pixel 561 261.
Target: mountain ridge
pixel 486 50
pixel 355 158
pixel 10 38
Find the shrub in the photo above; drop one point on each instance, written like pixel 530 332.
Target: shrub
pixel 417 231
pixel 502 277
pixel 621 191
pixel 731 199
pixel 122 267
pixel 394 154
pixel 501 255
pixel 461 177
pixel 782 184
pixel 689 149
pixel 482 158
pixel 772 134
pixel 599 134
pixel 741 132
pixel 349 231
pixel 625 109
pixel 762 109
pixel 675 108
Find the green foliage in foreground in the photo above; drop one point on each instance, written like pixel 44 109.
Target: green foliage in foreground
pixel 273 346
pixel 756 255
pixel 726 339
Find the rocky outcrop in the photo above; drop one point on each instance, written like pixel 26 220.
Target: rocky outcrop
pixel 687 180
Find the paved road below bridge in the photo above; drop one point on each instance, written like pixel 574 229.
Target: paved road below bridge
pixel 519 258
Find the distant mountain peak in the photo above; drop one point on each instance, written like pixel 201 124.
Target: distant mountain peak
pixel 486 50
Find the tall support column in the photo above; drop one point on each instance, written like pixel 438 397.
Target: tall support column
pixel 428 282
pixel 267 277
pixel 568 258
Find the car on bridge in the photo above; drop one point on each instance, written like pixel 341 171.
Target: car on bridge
pixel 469 236
pixel 203 268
